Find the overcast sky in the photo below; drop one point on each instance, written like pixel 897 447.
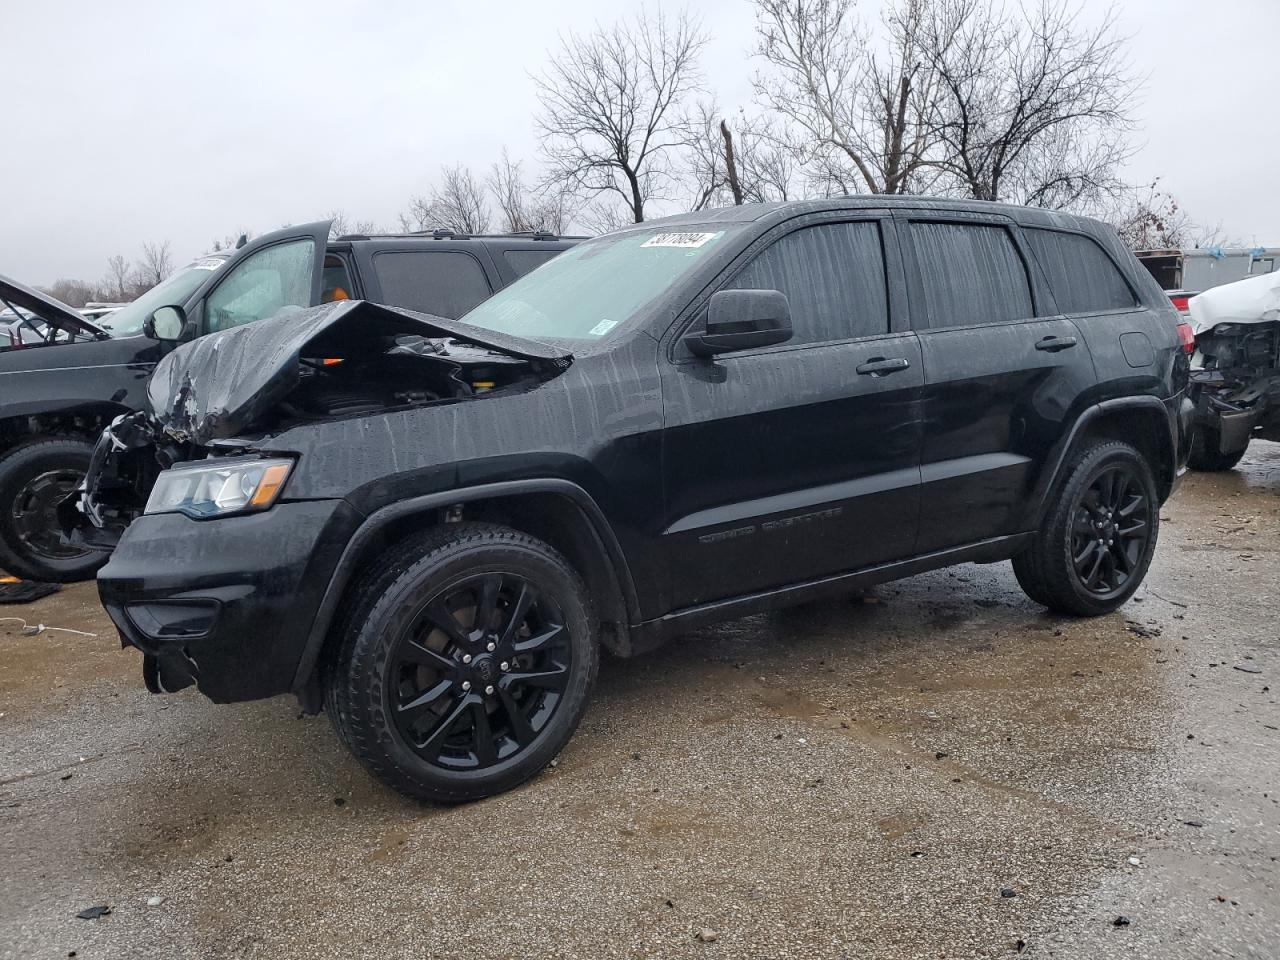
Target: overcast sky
pixel 130 121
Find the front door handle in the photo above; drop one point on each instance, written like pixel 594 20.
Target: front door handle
pixel 879 366
pixel 1054 344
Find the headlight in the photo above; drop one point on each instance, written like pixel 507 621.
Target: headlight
pixel 214 488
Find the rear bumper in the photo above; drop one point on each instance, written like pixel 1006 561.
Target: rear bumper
pixel 227 604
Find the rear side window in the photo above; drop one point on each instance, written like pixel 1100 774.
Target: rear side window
pixel 444 283
pixel 971 273
pixel 523 261
pixel 833 276
pixel 1084 279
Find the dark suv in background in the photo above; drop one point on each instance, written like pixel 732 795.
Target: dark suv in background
pixel 679 422
pixel 54 403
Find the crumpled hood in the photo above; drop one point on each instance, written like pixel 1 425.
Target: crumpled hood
pixel 51 311
pixel 217 385
pixel 1255 300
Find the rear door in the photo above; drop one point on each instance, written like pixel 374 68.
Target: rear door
pixel 276 273
pixel 1003 373
pixel 793 462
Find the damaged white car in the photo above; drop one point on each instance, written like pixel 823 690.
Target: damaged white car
pixel 1235 373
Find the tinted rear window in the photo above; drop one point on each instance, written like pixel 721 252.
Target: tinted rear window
pixel 1084 279
pixel 833 276
pixel 444 283
pixel 522 261
pixel 970 273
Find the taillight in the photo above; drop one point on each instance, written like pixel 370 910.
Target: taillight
pixel 1180 303
pixel 1187 337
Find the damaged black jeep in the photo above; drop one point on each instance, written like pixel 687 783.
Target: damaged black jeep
pixel 428 528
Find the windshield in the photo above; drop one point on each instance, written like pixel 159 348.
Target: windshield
pixel 592 289
pixel 128 320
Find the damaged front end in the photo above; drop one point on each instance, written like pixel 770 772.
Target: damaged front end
pixel 1235 375
pixel 207 449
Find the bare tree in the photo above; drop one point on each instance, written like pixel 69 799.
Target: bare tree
pixel 733 161
pixel 1032 107
pixel 610 103
pixel 119 277
pixel 74 293
pixel 865 113
pixel 523 208
pixel 231 241
pixel 155 265
pixel 1148 217
pixel 341 226
pixel 456 204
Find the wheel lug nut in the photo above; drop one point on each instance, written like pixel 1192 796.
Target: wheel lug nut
pixel 492 646
pixel 466 684
pixel 488 691
pixel 466 658
pixel 504 665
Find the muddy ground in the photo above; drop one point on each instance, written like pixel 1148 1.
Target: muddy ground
pixel 939 769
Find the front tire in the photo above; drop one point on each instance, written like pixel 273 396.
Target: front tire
pixel 464 664
pixel 1098 536
pixel 34 477
pixel 1205 455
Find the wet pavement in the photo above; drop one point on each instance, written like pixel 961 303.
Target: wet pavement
pixel 938 769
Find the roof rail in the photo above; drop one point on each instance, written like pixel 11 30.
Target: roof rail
pixel 441 233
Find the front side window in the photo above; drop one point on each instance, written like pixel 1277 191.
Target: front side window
pixel 443 283
pixel 1083 277
pixel 598 287
pixel 263 284
pixel 833 277
pixel 970 273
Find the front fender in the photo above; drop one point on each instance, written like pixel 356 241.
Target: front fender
pixel 380 520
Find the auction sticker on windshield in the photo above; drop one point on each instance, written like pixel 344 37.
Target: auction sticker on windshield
pixel 687 240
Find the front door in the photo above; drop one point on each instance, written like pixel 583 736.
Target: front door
pixel 1002 372
pixel 276 273
pixel 794 462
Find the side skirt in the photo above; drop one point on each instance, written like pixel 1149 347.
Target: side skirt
pixel 651 634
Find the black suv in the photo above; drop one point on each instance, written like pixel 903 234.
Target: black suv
pixel 679 422
pixel 55 403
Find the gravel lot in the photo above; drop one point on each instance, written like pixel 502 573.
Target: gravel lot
pixel 937 769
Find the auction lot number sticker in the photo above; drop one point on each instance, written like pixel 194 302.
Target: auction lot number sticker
pixel 687 240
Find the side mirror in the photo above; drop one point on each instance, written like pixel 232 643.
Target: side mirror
pixel 166 324
pixel 741 319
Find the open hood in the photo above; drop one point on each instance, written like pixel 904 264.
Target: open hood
pixel 219 385
pixel 51 311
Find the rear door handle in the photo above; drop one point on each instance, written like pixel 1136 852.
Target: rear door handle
pixel 879 366
pixel 1054 344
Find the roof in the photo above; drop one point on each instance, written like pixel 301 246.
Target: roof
pixel 785 209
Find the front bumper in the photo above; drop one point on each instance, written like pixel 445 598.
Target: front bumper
pixel 228 603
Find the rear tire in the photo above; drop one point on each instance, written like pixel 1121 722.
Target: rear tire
pixel 34 476
pixel 1205 455
pixel 1098 536
pixel 464 664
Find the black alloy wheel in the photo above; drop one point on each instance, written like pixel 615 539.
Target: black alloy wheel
pixel 463 661
pixel 1097 533
pixel 34 518
pixel 35 477
pixel 479 672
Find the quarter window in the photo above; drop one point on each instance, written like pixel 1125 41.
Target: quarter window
pixel 1084 279
pixel 524 261
pixel 833 276
pixel 443 283
pixel 970 273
